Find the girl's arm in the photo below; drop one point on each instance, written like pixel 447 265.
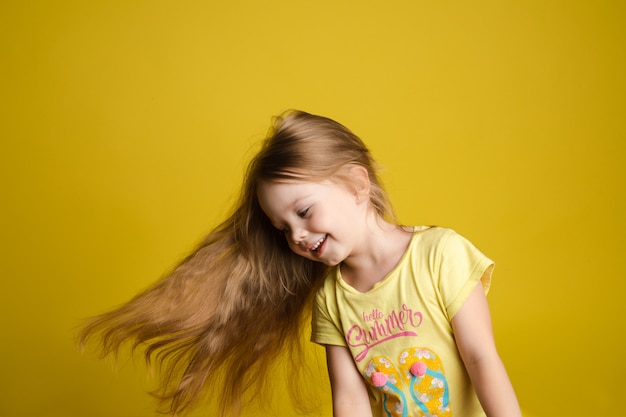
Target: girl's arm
pixel 350 397
pixel 474 338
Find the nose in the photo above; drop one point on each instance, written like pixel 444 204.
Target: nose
pixel 298 236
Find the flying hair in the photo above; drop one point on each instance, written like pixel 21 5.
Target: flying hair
pixel 220 320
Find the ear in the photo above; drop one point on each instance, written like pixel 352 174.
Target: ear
pixel 360 180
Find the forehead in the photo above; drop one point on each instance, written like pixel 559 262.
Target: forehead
pixel 278 197
pixel 283 191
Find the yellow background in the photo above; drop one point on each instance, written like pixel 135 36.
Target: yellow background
pixel 125 127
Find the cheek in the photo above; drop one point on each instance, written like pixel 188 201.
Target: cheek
pixel 322 219
pixel 294 248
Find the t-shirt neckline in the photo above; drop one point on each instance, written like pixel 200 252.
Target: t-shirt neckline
pixel 343 284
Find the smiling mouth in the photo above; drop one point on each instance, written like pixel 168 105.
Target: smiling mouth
pixel 317 244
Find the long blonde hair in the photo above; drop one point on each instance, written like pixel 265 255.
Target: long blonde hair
pixel 220 319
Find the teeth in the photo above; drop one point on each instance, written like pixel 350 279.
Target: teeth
pixel 318 243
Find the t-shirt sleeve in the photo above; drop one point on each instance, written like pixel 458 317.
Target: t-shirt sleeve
pixel 461 267
pixel 325 328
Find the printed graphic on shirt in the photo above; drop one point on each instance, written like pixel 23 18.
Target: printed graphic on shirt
pixel 380 328
pixel 415 382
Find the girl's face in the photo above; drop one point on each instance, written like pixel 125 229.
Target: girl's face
pixel 320 220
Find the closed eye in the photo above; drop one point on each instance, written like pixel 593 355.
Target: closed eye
pixel 302 214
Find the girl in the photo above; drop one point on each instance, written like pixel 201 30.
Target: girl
pixel 401 311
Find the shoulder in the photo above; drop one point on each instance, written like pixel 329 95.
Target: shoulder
pixel 440 236
pixel 325 303
pixel 434 237
pixel 441 245
pixel 328 288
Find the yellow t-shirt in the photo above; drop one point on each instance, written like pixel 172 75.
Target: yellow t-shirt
pixel 399 332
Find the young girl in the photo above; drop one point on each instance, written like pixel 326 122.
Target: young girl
pixel 400 310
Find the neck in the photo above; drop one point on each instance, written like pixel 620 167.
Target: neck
pixel 382 246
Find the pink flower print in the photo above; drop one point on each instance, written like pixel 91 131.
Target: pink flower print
pixel 443 409
pixel 369 370
pixel 436 382
pixel 424 398
pixel 385 362
pixel 399 407
pixel 423 353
